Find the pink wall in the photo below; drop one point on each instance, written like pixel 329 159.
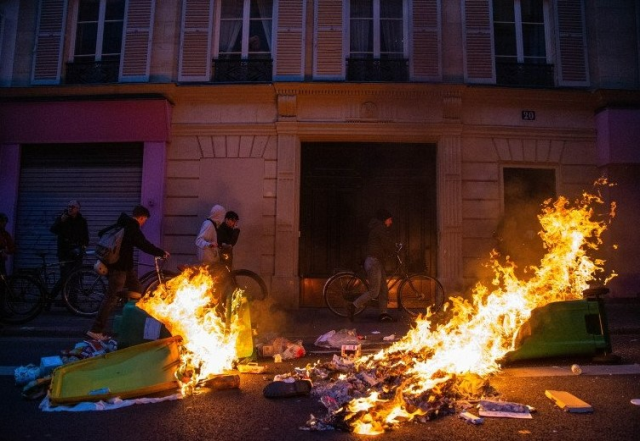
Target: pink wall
pixel 618 136
pixel 147 121
pixel 85 121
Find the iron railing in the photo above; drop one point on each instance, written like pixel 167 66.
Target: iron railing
pixel 241 71
pixel 92 72
pixel 523 74
pixel 370 69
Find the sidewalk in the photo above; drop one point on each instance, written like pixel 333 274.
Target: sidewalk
pixel 305 324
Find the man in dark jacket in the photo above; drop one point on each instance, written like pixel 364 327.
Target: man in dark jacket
pixel 73 238
pixel 380 245
pixel 228 233
pixel 122 274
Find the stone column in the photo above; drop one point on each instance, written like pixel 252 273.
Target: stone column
pixel 450 262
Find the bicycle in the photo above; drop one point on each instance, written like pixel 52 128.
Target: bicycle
pixel 34 294
pixel 416 291
pixel 20 295
pixel 85 289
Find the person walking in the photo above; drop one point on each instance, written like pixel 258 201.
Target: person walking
pixel 122 274
pixel 208 250
pixel 73 237
pixel 380 245
pixel 7 246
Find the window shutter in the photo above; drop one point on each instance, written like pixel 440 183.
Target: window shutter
pixel 136 45
pixel 329 60
pixel 195 41
pixel 47 59
pixel 478 42
pixel 289 44
pixel 425 54
pixel 572 48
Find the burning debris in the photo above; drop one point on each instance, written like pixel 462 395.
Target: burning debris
pixel 192 305
pixel 447 360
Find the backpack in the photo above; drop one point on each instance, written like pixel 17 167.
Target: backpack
pixel 108 247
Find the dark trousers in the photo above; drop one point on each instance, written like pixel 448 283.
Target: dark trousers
pixel 118 280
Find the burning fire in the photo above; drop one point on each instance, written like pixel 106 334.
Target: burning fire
pixel 190 306
pixel 451 359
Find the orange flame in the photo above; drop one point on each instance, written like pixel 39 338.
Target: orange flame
pixel 189 305
pixel 480 332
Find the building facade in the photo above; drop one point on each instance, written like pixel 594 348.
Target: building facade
pixel 305 116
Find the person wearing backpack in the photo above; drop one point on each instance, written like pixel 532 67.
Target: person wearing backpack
pixel 208 250
pixel 121 273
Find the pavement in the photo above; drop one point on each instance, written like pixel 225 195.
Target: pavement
pixel 305 324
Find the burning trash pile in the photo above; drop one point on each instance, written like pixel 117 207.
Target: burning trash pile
pixel 192 306
pixel 445 361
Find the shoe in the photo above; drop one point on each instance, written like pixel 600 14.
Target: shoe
pixel 99 336
pixel 284 389
pixel 351 311
pixel 384 317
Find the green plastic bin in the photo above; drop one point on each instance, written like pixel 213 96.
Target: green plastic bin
pixel 575 327
pixel 135 326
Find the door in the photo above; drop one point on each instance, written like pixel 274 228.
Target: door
pixel 343 184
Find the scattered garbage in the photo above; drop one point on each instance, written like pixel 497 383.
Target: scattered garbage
pixel 568 402
pixel 287 350
pixel 351 351
pixel 333 339
pixel 471 418
pixel 635 401
pixel 576 369
pixel 504 409
pixel 251 368
pixel 287 388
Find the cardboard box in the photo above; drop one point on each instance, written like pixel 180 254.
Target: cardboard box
pixel 568 402
pixel 48 364
pixel 351 351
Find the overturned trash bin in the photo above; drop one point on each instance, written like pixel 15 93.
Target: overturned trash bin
pixel 573 327
pixel 126 373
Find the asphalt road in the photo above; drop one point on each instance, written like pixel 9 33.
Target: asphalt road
pixel 244 414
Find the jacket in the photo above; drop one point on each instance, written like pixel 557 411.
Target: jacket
pixel 133 238
pixel 380 243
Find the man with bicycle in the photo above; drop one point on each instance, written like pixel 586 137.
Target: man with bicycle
pixel 73 237
pixel 121 273
pixel 380 244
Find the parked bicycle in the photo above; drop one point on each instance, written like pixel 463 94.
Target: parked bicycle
pixel 416 291
pixel 31 290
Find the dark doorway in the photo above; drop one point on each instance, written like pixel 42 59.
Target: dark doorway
pixel 342 186
pixel 525 190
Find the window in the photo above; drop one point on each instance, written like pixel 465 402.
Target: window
pixel 376 40
pixel 521 42
pixel 98 41
pixel 244 41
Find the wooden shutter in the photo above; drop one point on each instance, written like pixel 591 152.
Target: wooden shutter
pixel 136 45
pixel 195 40
pixel 572 47
pixel 478 42
pixel 47 59
pixel 426 60
pixel 289 42
pixel 329 59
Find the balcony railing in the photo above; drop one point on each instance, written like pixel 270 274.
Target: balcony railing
pixel 521 74
pixel 92 72
pixel 242 71
pixel 377 70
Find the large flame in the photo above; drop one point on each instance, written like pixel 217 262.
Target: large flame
pixel 190 305
pixel 480 332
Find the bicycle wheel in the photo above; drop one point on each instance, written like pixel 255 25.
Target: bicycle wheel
pixel 418 292
pixel 342 288
pixel 252 284
pixel 84 291
pixel 23 300
pixel 152 282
